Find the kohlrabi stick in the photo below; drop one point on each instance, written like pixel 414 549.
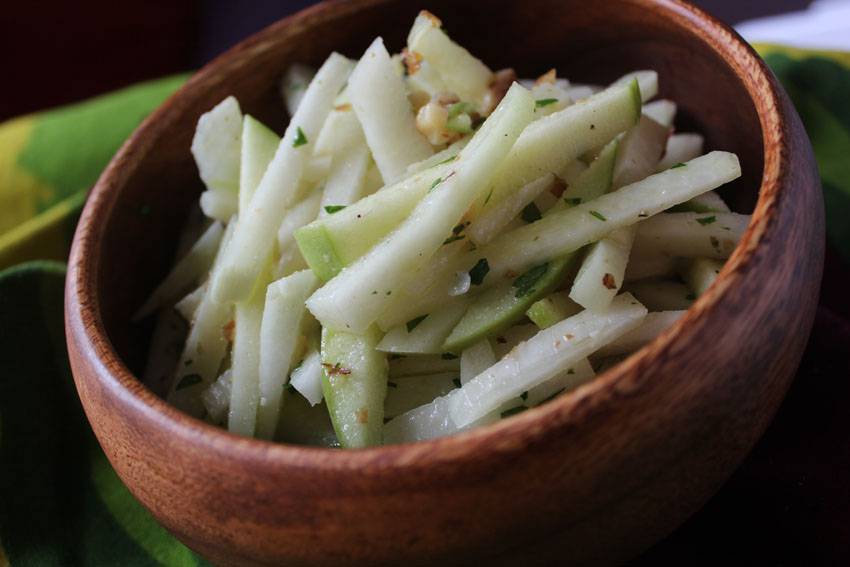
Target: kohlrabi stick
pixel 355 298
pixel 216 148
pixel 299 215
pixel 306 378
pixel 700 273
pixel 378 96
pixel 294 85
pixel 662 111
pixel 254 238
pixel 205 345
pixel 493 219
pixel 190 269
pixel 216 398
pixel 346 181
pixel 282 315
pixel 552 309
pixel 259 145
pixel 543 356
pixel 462 73
pixel 652 326
pixel 680 148
pixel 692 235
pixel 475 359
pixel 426 333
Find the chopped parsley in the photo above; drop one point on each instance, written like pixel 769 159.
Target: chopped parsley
pixel 513 411
pixel 490 194
pixel 447 160
pixel 435 183
pixel 479 272
pixel 524 395
pixel 541 102
pixel 707 220
pixel 331 209
pixel 189 380
pixel 678 165
pixel 572 201
pixel 531 213
pixel 598 215
pixel 453 238
pixel 300 138
pixel 525 283
pixel 448 356
pixel 413 323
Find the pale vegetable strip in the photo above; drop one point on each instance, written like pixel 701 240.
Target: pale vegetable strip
pixel 294 84
pixel 219 204
pixel 443 156
pixel 341 131
pixel 216 398
pixel 205 345
pixel 259 145
pixel 348 301
pixel 652 326
pixel 281 325
pixel 425 334
pixel 190 269
pixel 570 379
pixel 565 231
pixel 428 422
pixel 662 111
pixel 552 309
pixel 245 377
pixel 647 80
pixel 215 147
pixel 543 356
pixel 476 359
pixel 700 273
pixel 692 235
pixel 709 202
pixel 494 219
pixel 426 80
pixel 346 181
pixel 661 295
pixel 404 394
pixel 462 73
pixel 306 378
pixel 378 96
pixel 254 237
pixel 681 148
pixel 299 215
pixel 189 304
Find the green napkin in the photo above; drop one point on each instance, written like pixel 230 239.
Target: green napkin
pixel 62 504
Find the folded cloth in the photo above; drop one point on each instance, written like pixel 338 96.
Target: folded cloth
pixel 62 504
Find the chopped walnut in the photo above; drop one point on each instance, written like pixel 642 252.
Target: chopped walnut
pixel 412 61
pixel 433 117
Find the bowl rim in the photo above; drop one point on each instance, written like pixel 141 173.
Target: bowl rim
pixel 86 332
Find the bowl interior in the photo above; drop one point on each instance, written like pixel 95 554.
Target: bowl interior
pixel 152 199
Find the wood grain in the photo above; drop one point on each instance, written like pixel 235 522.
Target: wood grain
pixel 594 477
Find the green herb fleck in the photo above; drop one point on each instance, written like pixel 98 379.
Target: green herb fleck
pixel 541 102
pixel 189 380
pixel 598 215
pixel 331 209
pixel 412 324
pixel 525 283
pixel 448 356
pixel 678 165
pixel 513 411
pixel 447 160
pixel 300 138
pixel 524 395
pixel 392 384
pixel 707 220
pixel 459 108
pixel 490 194
pixel 479 272
pixel 435 183
pixel 453 238
pixel 456 382
pixel 572 201
pixel 531 213
pixel 461 124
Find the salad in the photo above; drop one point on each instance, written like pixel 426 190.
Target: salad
pixel 431 246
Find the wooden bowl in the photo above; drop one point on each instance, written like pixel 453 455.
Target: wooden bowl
pixel 594 477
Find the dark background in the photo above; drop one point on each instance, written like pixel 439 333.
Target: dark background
pixel 788 504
